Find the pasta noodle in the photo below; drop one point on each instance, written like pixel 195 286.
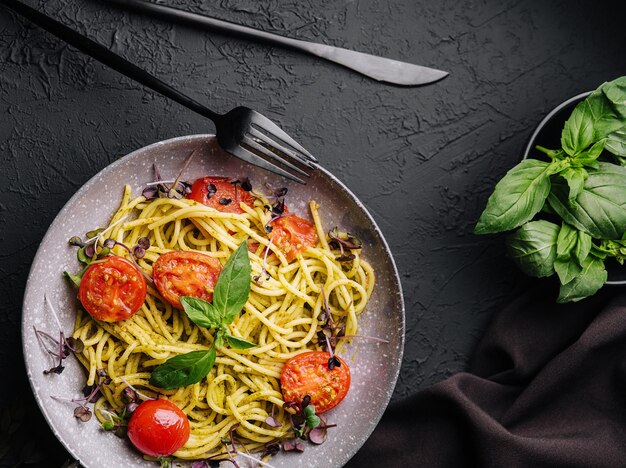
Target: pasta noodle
pixel 281 317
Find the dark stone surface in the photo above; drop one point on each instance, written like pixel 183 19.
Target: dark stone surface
pixel 423 160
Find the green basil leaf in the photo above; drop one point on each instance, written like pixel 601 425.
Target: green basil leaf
pixel 233 286
pixel 587 157
pixel 615 92
pixel 600 209
pixel 200 312
pixel 238 343
pixel 616 144
pixel 591 278
pixel 517 197
pixel 577 133
pixel 566 241
pixel 184 369
pixel 583 247
pixel 75 279
pixel 575 177
pixel 533 247
pixel 567 269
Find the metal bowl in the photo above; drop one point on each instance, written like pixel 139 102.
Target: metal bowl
pixel 548 134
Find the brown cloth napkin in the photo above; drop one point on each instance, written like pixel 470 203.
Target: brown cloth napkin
pixel 546 387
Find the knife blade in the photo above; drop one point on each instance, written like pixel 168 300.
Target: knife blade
pixel 375 67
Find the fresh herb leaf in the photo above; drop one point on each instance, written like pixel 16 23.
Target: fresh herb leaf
pixel 200 312
pixel 517 197
pixel 616 144
pixel 233 285
pixel 575 178
pixel 582 248
pixel 533 248
pixel 566 241
pixel 588 157
pixel 578 130
pixel 183 370
pixel 567 269
pixel 591 278
pixel 73 278
pixel 238 343
pixel 600 209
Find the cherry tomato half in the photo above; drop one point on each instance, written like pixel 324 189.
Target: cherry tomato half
pixel 158 428
pixel 112 290
pixel 293 234
pixel 308 374
pixel 181 273
pixel 223 198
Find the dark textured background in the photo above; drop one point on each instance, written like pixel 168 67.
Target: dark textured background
pixel 423 160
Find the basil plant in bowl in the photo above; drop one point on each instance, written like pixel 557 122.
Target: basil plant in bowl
pixel 569 209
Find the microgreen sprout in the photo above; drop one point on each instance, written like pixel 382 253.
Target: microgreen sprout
pixel 270 421
pixel 305 424
pixel 343 242
pixel 225 201
pixel 86 253
pixel 57 348
pixel 176 188
pixel 230 445
pixel 91 394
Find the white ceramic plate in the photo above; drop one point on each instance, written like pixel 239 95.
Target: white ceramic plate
pixel 374 366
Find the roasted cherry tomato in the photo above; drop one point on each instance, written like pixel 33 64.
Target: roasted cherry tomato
pixel 158 428
pixel 219 193
pixel 112 290
pixel 181 273
pixel 292 234
pixel 308 374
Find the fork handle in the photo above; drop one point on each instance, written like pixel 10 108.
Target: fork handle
pixel 105 56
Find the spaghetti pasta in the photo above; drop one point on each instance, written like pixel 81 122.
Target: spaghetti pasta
pixel 281 316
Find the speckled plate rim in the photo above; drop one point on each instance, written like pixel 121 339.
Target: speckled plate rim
pixel 376 416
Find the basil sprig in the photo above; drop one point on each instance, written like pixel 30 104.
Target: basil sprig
pixel 586 196
pixel 229 297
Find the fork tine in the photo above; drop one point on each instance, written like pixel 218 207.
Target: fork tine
pixel 289 153
pixel 250 157
pixel 271 154
pixel 270 127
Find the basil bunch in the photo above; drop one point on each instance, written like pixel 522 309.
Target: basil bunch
pixel 584 195
pixel 229 296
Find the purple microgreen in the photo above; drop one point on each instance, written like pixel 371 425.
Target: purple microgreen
pixel 306 401
pixel 82 413
pixel 271 449
pixel 346 240
pixel 318 435
pixel 268 228
pixel 136 392
pixel 281 192
pixel 225 201
pixel 144 242
pixel 91 394
pixel 139 252
pixel 131 407
pixel 292 445
pixel 150 193
pixel 90 250
pixel 270 421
